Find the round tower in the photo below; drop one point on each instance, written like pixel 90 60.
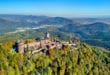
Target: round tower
pixel 20 46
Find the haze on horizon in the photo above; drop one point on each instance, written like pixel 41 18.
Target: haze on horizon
pixel 67 8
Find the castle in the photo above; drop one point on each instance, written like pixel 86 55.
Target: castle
pixel 39 45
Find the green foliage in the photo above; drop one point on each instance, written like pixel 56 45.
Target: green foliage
pixel 67 61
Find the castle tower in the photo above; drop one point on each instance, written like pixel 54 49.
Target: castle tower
pixel 47 35
pixel 20 46
pixel 70 38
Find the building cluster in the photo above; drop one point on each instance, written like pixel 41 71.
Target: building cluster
pixel 40 45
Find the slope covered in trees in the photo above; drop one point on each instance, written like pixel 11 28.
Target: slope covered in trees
pixel 87 60
pixel 94 31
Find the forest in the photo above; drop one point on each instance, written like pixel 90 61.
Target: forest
pixel 87 60
pixel 90 59
pixel 54 37
pixel 94 31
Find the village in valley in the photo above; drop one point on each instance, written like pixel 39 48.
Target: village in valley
pixel 44 44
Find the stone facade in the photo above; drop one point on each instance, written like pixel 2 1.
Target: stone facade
pixel 40 44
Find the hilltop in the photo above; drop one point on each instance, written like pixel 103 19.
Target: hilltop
pixel 87 60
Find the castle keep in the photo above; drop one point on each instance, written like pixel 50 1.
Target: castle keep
pixel 39 45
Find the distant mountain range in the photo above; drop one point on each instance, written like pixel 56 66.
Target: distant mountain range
pixel 95 31
pixel 51 20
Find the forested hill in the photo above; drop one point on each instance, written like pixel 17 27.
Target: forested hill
pixel 87 60
pixel 94 31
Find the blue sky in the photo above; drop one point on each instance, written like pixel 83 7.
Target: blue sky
pixel 68 8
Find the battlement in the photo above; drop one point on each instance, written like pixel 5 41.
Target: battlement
pixel 40 44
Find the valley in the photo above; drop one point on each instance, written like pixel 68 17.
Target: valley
pixel 54 37
pixel 94 31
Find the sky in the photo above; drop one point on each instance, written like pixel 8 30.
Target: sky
pixel 67 8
